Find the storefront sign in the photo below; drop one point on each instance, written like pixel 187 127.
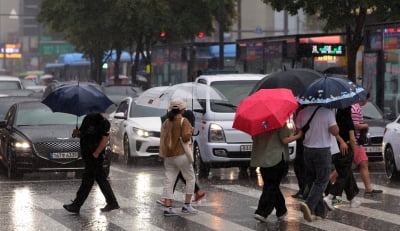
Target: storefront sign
pixel 327 49
pixel 11 51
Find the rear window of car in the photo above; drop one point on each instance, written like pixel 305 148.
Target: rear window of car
pixel 10 85
pixel 234 91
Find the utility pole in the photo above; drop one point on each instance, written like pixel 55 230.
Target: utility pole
pixel 221 16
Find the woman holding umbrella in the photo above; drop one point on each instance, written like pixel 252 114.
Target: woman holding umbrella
pixel 271 153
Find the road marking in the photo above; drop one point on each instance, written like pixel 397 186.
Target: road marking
pixel 325 224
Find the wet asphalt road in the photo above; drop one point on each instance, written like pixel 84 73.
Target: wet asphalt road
pixel 35 203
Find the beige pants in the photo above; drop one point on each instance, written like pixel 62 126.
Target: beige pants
pixel 172 167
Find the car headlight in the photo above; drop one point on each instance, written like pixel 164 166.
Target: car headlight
pixel 216 133
pixel 141 132
pixel 21 145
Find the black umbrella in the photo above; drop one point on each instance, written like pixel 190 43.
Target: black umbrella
pixel 296 80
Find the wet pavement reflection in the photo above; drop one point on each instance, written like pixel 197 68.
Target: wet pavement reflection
pixel 35 203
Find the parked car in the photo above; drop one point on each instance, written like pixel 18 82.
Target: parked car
pixel 10 83
pixel 217 143
pixel 391 148
pixel 373 116
pixel 33 138
pixel 135 130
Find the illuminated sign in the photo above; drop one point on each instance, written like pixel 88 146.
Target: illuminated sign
pixel 11 50
pixel 327 49
pixel 326 59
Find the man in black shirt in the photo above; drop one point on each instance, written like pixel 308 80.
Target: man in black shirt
pixel 343 161
pixel 93 135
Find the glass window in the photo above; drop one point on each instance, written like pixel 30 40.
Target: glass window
pixel 143 111
pixel 234 91
pixel 9 85
pixel 30 116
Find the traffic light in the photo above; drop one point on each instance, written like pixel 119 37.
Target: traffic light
pixel 163 34
pixel 200 34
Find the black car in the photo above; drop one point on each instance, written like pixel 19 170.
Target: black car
pixel 33 138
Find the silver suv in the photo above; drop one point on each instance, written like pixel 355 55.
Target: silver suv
pixel 217 144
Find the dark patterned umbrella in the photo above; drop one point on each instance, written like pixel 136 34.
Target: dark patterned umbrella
pixel 334 92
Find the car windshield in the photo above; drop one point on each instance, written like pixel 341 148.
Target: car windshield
pixel 30 116
pixel 234 91
pixel 10 85
pixel 371 111
pixel 121 90
pixel 143 111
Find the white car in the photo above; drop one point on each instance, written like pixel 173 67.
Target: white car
pixel 391 148
pixel 10 83
pixel 135 130
pixel 216 143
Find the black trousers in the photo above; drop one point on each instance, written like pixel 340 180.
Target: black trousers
pixel 299 169
pixel 94 172
pixel 272 196
pixel 345 180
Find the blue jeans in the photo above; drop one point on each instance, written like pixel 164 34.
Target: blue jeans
pixel 318 166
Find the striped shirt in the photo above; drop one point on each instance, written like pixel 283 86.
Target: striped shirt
pixel 357 116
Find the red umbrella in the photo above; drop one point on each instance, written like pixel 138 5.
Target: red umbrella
pixel 30 77
pixel 265 110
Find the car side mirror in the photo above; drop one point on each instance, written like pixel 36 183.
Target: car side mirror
pixel 120 115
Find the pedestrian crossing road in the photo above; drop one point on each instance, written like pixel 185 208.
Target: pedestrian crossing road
pixel 35 203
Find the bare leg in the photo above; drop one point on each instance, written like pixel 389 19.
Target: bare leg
pixel 188 197
pixel 364 173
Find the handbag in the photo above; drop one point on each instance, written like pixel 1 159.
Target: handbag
pixel 362 139
pixel 187 146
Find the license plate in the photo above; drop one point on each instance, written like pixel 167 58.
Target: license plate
pixel 246 148
pixel 373 149
pixel 63 155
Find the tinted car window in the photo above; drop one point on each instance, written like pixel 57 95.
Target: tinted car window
pixel 10 85
pixel 143 111
pixel 371 111
pixel 234 91
pixel 28 116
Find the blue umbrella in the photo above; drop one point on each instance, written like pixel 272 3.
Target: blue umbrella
pixel 77 99
pixel 334 92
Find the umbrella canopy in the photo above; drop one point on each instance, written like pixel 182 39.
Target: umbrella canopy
pixel 296 80
pixel 37 73
pixel 77 99
pixel 46 76
pixel 193 93
pixel 31 77
pixel 334 92
pixel 265 110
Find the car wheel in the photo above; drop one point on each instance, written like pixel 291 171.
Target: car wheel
pixel 201 168
pixel 390 165
pixel 11 169
pixel 127 150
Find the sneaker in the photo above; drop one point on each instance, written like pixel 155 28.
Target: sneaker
pixel 72 208
pixel 373 192
pixel 189 209
pixel 169 212
pixel 328 203
pixel 306 211
pixel 355 203
pixel 109 207
pixel 161 202
pixel 260 218
pixel 337 201
pixel 199 197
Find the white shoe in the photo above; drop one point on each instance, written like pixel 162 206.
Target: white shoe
pixel 328 203
pixel 189 209
pixel 355 203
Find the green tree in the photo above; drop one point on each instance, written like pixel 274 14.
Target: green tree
pixel 348 16
pixel 95 27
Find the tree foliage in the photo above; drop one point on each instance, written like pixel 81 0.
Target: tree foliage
pixel 348 16
pixel 95 27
